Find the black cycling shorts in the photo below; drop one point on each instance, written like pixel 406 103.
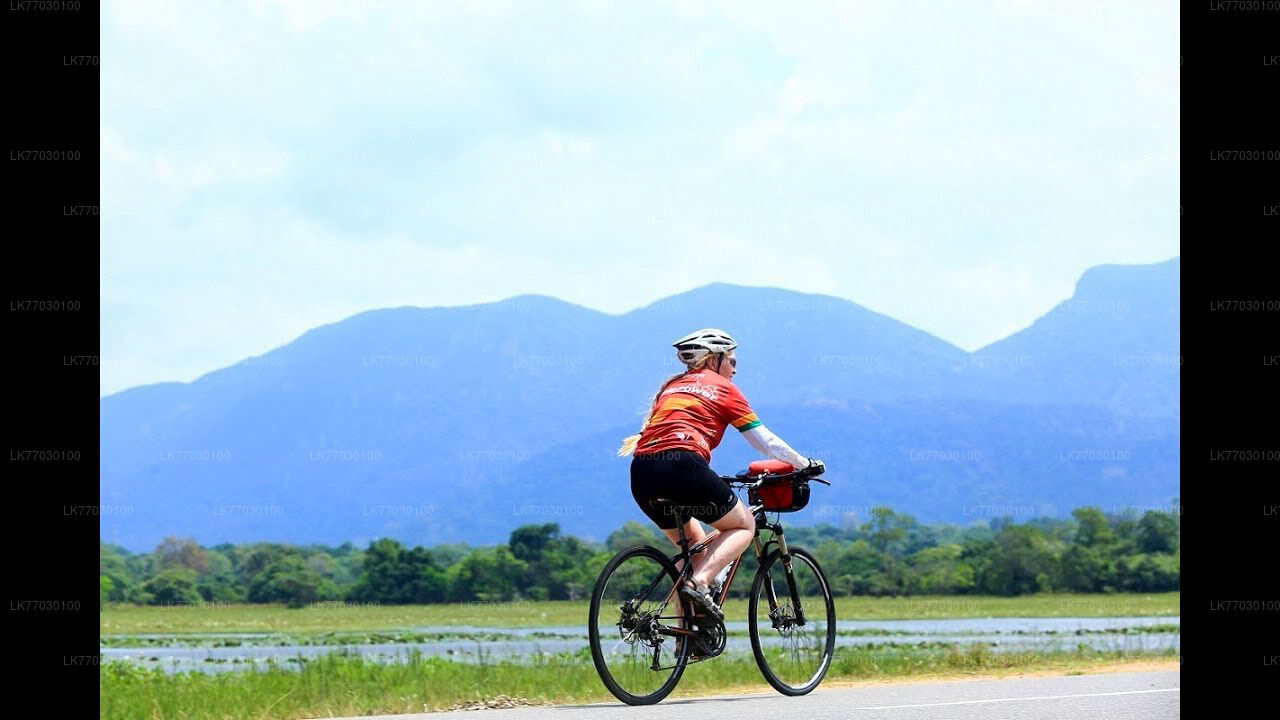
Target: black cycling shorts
pixel 686 478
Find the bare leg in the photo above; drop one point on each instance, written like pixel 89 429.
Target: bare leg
pixel 737 528
pixel 694 533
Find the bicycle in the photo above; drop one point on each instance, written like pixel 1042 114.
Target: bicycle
pixel 641 581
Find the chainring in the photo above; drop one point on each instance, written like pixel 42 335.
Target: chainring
pixel 710 640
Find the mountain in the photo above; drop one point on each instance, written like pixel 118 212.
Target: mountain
pixel 953 460
pixel 443 424
pixel 1115 343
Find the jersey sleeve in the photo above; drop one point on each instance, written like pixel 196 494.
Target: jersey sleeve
pixel 736 412
pixel 775 447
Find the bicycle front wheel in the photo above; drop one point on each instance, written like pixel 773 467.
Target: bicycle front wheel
pixel 792 621
pixel 633 603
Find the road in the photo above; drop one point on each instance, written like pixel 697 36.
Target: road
pixel 1114 696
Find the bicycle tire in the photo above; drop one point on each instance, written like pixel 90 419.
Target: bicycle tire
pixel 597 652
pixel 753 606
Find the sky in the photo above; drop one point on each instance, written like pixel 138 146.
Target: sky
pixel 271 166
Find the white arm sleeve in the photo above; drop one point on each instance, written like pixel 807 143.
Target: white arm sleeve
pixel 769 444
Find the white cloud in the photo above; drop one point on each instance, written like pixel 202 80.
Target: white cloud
pixel 271 166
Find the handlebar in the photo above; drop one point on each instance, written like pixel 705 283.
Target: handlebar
pixel 742 479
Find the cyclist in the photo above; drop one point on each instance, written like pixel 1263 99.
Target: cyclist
pixel 672 454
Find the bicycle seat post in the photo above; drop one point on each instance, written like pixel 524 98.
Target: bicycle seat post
pixel 668 506
pixel 687 566
pixel 687 558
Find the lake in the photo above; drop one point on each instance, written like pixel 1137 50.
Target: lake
pixel 220 652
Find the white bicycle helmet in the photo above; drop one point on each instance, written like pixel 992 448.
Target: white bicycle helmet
pixel 700 342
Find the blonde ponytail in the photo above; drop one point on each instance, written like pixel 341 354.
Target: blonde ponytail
pixel 629 442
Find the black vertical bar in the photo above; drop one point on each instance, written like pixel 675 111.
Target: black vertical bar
pixel 1230 218
pixel 51 312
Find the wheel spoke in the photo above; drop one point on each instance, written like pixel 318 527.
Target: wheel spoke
pixel 794 658
pixel 626 619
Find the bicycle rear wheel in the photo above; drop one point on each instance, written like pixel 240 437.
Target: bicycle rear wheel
pixel 793 657
pixel 633 600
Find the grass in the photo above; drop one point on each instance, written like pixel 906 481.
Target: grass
pixel 186 640
pixel 337 617
pixel 340 685
pixel 368 637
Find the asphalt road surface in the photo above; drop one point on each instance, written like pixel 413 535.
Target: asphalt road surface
pixel 1113 696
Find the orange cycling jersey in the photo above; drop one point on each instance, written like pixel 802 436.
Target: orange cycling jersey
pixel 692 412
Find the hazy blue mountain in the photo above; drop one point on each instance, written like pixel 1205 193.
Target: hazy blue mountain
pixel 438 424
pixel 1114 343
pixel 950 461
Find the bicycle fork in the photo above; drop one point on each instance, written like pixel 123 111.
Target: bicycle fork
pixel 785 556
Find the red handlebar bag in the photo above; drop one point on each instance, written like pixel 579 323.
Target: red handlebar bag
pixel 787 494
pixel 760 467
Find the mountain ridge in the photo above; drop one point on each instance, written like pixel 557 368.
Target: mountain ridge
pixel 448 402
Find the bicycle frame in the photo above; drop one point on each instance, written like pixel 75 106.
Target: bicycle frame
pixel 762 551
pixel 641 625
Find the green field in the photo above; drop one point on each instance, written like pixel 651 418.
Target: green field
pixel 336 685
pixel 336 617
pixel 345 685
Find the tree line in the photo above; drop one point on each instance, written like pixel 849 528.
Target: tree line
pixel 888 554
